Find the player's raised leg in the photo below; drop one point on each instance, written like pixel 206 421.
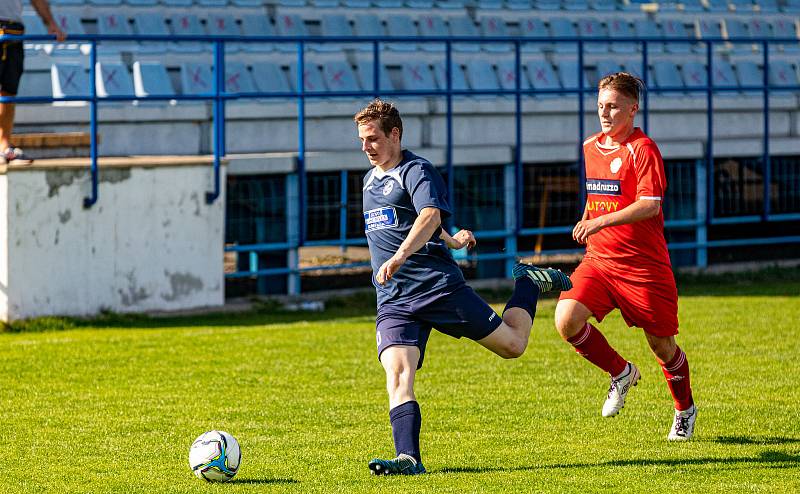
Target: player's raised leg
pixel 675 366
pixel 510 339
pixel 572 323
pixel 400 363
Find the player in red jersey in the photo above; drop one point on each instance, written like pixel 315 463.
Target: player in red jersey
pixel 627 264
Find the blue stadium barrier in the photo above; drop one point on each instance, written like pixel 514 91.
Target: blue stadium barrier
pixel 704 215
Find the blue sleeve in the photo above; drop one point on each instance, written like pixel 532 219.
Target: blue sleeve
pixel 427 188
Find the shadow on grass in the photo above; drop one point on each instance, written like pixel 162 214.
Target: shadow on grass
pixel 756 440
pixel 265 481
pixel 773 459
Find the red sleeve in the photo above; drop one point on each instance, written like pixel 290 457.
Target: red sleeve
pixel 651 181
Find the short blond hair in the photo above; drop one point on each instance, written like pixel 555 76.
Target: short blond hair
pixel 623 82
pixel 385 113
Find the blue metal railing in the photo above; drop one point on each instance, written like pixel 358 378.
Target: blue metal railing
pixel 218 96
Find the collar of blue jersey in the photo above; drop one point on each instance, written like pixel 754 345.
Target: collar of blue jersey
pixel 378 174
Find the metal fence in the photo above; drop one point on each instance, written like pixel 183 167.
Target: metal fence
pixel 702 192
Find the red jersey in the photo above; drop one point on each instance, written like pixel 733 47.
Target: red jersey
pixel 615 178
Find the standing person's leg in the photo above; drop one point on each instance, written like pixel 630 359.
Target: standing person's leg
pixel 10 75
pixel 7 111
pixel 401 343
pixel 591 296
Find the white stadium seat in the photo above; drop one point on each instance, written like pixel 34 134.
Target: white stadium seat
pixel 113 79
pixel 151 79
pixel 69 79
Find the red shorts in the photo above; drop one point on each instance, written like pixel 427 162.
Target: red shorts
pixel 651 305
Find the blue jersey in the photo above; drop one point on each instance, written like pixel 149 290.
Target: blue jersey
pixel 392 202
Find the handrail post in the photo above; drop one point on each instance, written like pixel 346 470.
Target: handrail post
pixel 581 126
pixel 709 132
pixel 219 117
pixel 645 97
pixel 301 145
pixel 376 68
pixel 518 137
pixel 451 179
pixel 92 199
pixel 343 191
pixel 767 170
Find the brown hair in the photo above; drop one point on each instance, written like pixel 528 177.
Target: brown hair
pixel 384 112
pixel 623 82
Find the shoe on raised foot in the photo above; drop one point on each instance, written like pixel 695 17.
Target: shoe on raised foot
pixel 402 465
pixel 683 425
pixel 546 279
pixel 15 156
pixel 619 390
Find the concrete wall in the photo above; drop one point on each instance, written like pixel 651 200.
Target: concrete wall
pixel 149 243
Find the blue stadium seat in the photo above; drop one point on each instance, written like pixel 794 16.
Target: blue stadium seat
pixel 621 28
pixel 113 79
pixel 151 78
pixel 339 76
pixel 791 6
pixel 401 25
pixel 489 4
pixel 591 27
pixel 767 6
pixel 603 5
pixel 709 27
pixel 357 4
pixel 518 5
pixel 694 75
pixel 481 75
pixel 458 80
pixel 334 25
pixel 785 28
pixel 533 27
pixel 648 28
pixel 541 75
pixel 33 25
pixel 106 3
pixel 561 27
pixel 417 76
pixel 364 72
pixel 743 6
pixel 257 25
pixel 494 27
pixel 693 6
pixel 759 28
pixel 420 4
pixel 220 23
pixel 141 3
pixel 211 3
pixel 432 25
pixel 238 79
pixel 666 75
pixel 312 77
pixel 717 5
pixel 464 26
pixel 782 73
pixel 723 75
pixel 451 4
pixel 152 24
pixel 177 3
pixel 738 28
pixel 606 67
pixel 575 5
pixel 507 76
pixel 750 74
pixel 289 25
pixel 69 79
pixel 68 3
pixel 270 78
pixel 675 29
pixel 248 3
pixel 568 74
pixel 367 25
pixel 196 78
pixel 111 23
pixel 187 25
pixel 547 4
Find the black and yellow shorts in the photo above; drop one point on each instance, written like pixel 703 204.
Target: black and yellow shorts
pixel 12 56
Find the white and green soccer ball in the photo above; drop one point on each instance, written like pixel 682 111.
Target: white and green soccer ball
pixel 215 456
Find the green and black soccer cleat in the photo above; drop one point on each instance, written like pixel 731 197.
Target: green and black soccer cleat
pixel 547 279
pixel 402 465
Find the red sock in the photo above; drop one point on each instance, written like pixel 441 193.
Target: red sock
pixel 593 346
pixel 677 373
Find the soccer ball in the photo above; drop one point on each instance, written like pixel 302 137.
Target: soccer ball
pixel 215 456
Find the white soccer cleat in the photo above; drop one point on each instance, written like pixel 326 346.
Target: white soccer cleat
pixel 683 425
pixel 619 390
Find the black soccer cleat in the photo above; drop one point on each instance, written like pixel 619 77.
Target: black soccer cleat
pixel 402 465
pixel 546 279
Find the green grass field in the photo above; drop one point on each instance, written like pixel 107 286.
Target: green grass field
pixel 113 405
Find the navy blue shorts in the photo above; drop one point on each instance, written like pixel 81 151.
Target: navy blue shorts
pixel 461 313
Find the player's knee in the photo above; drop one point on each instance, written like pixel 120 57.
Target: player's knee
pixel 398 378
pixel 568 323
pixel 512 349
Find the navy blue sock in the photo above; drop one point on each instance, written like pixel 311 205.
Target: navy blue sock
pixel 525 296
pixel 406 422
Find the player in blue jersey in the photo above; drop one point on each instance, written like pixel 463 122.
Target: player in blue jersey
pixel 419 285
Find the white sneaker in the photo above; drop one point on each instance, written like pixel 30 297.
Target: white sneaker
pixel 619 390
pixel 683 425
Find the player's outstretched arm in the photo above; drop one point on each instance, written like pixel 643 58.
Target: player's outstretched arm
pixel 422 230
pixel 638 211
pixel 464 238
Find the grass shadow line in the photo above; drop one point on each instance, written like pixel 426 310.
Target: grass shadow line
pixel 265 481
pixel 763 440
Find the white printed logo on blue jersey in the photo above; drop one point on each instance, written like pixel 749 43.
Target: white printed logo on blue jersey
pixel 387 189
pixel 380 218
